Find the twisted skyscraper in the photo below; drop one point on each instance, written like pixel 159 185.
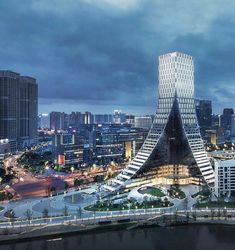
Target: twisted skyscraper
pixel 174 137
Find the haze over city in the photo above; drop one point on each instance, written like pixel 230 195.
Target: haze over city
pixel 102 55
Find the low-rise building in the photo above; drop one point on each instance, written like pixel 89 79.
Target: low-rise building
pixel 4 146
pixel 144 122
pixel 225 178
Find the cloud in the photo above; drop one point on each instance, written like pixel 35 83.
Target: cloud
pixel 104 52
pixel 119 4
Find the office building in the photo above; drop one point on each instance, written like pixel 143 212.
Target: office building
pixel 232 126
pixel 226 121
pixel 204 115
pixel 67 149
pixel 174 137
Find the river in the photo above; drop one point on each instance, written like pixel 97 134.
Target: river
pixel 203 237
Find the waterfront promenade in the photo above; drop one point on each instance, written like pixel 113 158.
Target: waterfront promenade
pixel 22 229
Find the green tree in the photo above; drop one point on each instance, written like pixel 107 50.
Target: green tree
pixel 225 213
pixel 45 213
pixel 175 216
pixel 219 214
pixel 187 216
pixel 78 182
pixel 185 203
pixel 29 215
pixel 94 212
pixel 99 178
pixel 145 201
pixel 79 212
pixel 12 217
pixel 66 186
pixel 212 214
pixel 51 190
pixel 194 215
pixel 65 211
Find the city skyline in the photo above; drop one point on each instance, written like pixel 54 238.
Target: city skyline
pixel 111 57
pixel 117 124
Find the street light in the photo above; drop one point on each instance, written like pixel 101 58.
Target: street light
pixel 72 169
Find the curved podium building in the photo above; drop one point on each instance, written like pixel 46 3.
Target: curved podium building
pixel 174 137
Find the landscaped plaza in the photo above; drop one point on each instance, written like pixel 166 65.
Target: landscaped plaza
pixel 88 201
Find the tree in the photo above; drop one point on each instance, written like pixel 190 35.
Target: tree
pixel 94 212
pixel 50 190
pixel 79 212
pixel 2 196
pixel 99 178
pixel 145 201
pixel 12 216
pixel 225 213
pixel 212 214
pixel 185 203
pixel 29 214
pixel 65 211
pixel 164 217
pixel 219 214
pixel 175 216
pixel 45 213
pixel 66 186
pixel 187 216
pixel 2 171
pixel 9 195
pixel 194 215
pixel 78 182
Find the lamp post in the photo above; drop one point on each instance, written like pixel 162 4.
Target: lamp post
pixel 72 169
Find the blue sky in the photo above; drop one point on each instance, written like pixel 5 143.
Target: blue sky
pixel 100 55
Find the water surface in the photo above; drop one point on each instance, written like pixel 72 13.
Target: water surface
pixel 178 238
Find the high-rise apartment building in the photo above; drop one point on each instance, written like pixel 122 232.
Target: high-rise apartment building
pixel 103 119
pixel 58 121
pixel 119 117
pixel 75 119
pixel 19 107
pixel 130 119
pixel 44 121
pixel 88 118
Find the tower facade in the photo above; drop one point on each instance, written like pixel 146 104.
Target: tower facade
pixel 174 136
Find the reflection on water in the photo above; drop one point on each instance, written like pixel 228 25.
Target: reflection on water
pixel 178 238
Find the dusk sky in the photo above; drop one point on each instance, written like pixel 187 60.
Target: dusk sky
pixel 101 55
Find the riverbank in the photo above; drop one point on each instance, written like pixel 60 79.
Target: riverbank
pixel 53 231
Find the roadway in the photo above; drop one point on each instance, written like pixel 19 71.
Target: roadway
pixel 28 185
